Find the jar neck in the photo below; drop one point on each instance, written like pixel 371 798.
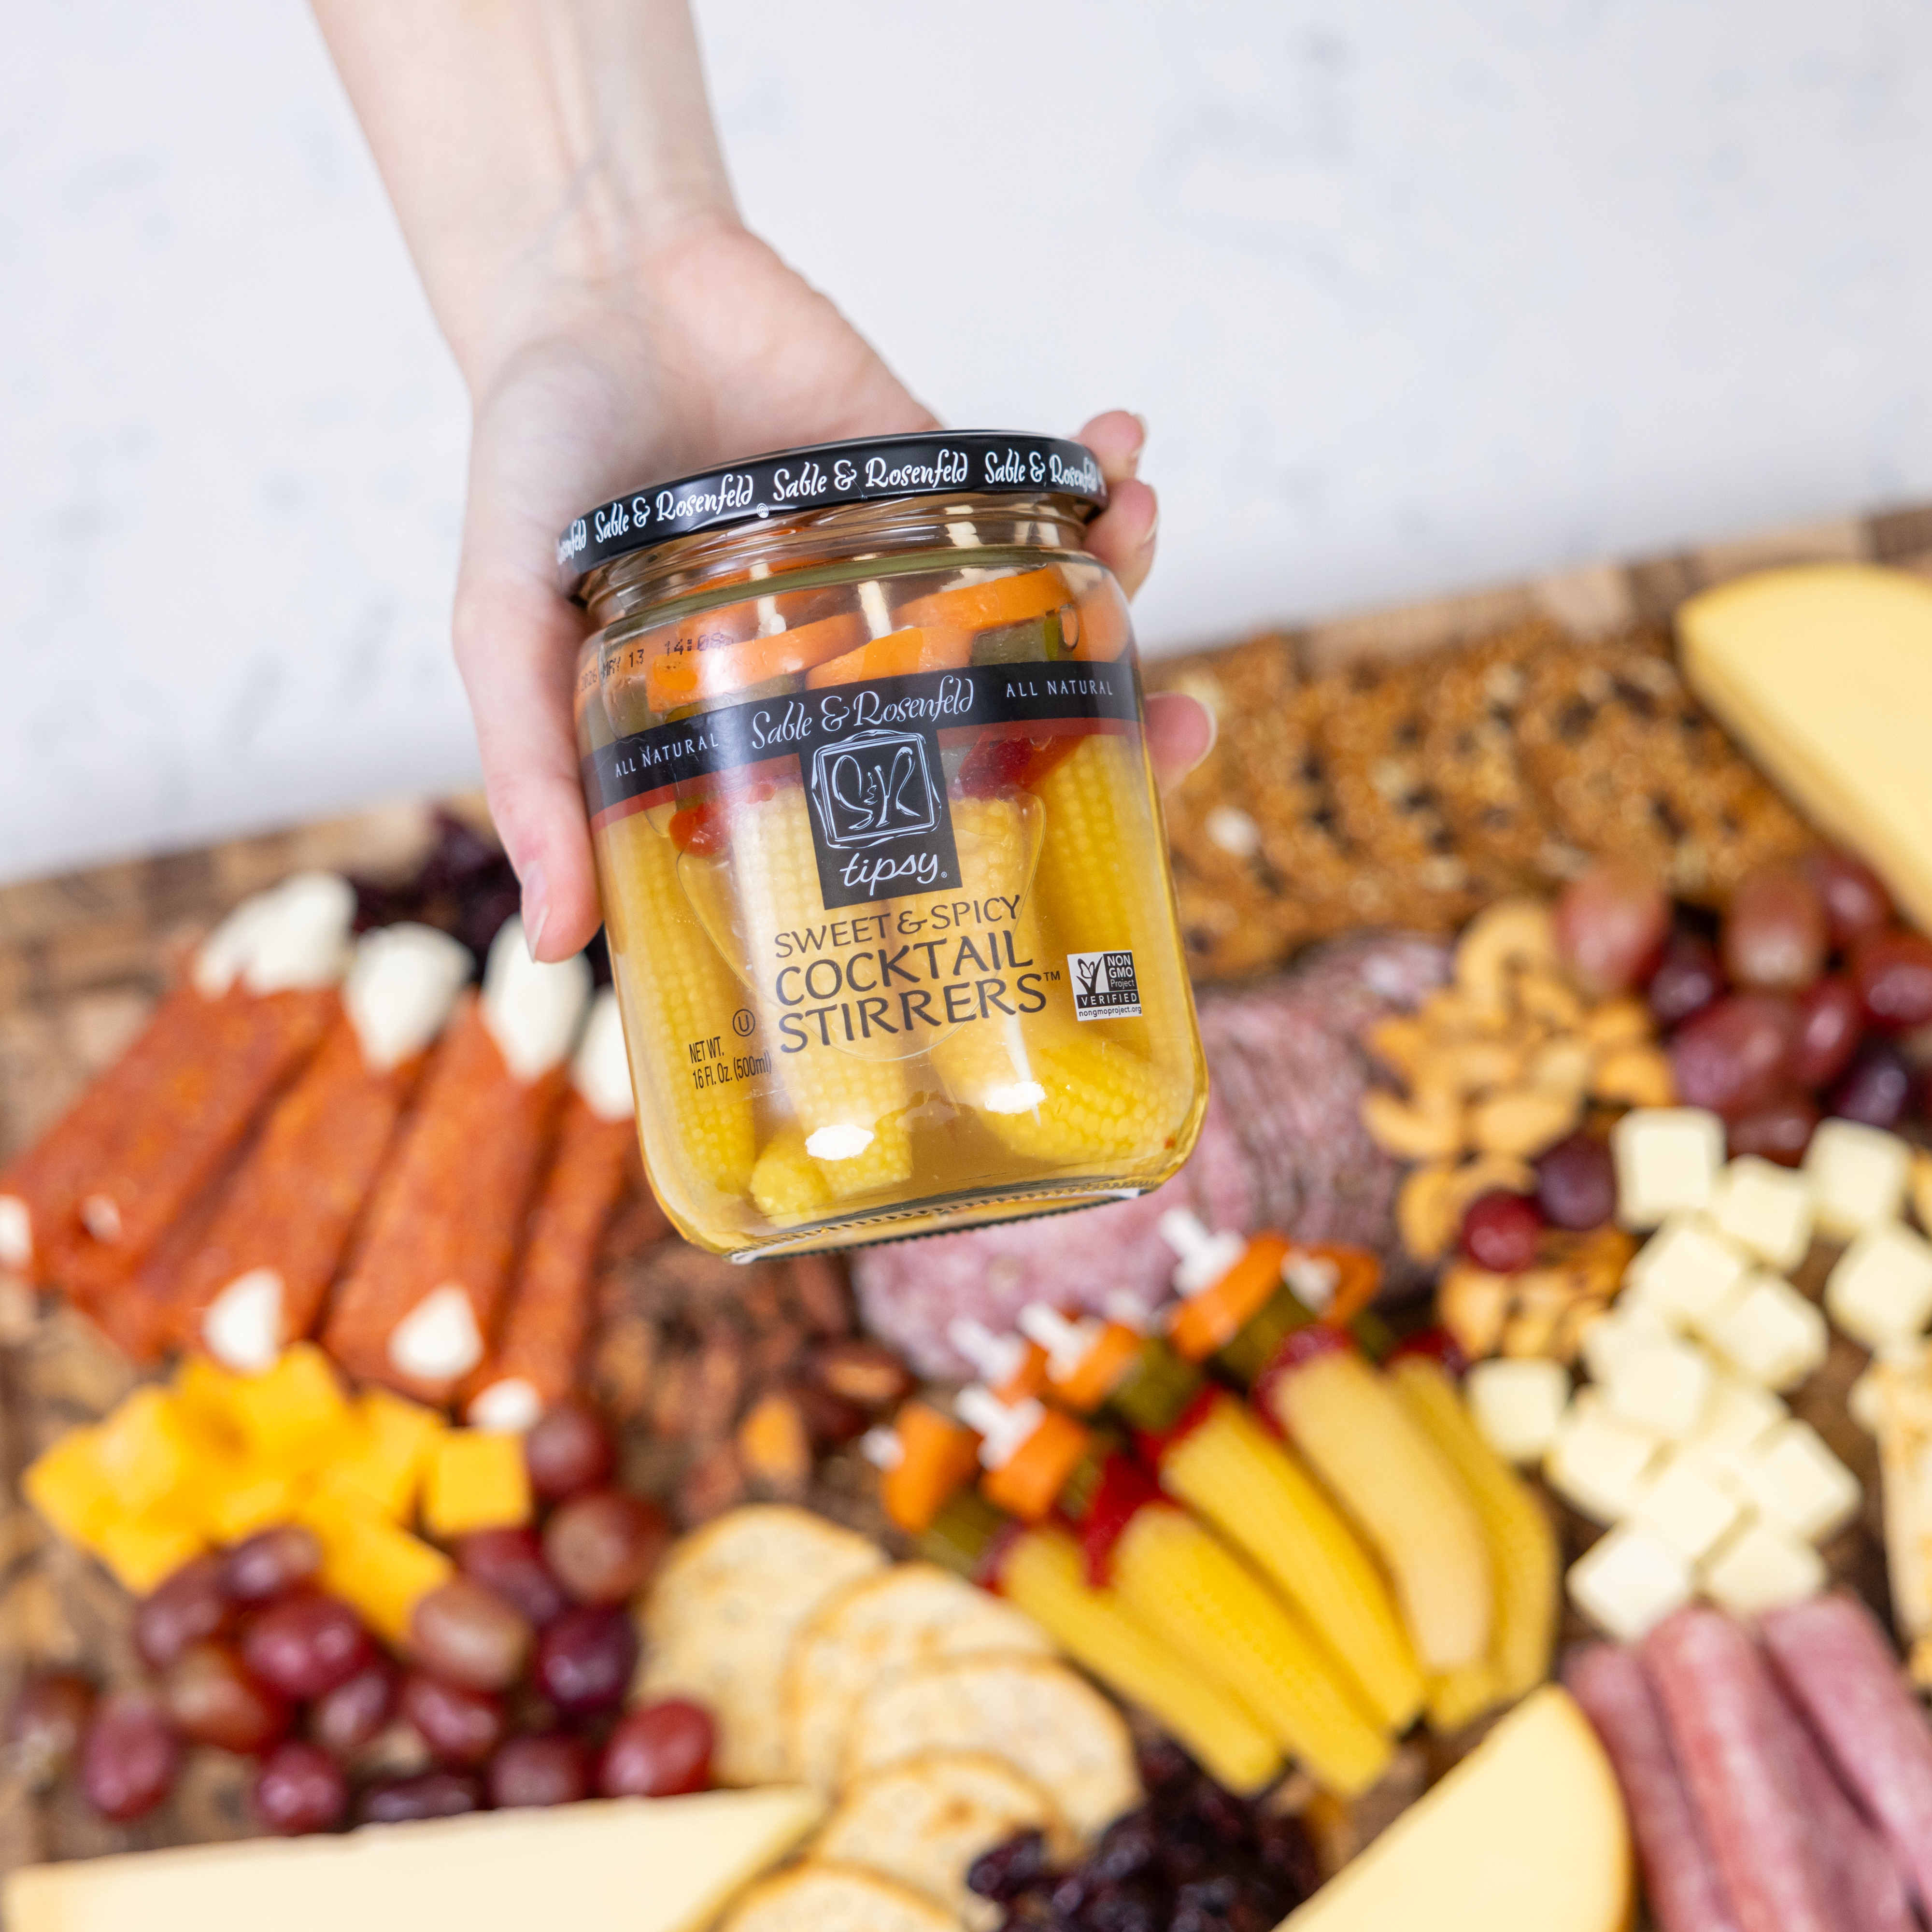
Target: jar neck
pixel 852 533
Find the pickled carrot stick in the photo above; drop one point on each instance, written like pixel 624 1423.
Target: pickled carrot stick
pixel 546 1316
pixel 922 647
pixel 40 1192
pixel 181 1128
pixel 689 669
pixel 987 606
pixel 1104 628
pixel 423 1292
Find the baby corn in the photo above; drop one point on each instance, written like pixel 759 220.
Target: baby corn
pixel 1189 1589
pixel 851 1110
pixel 1364 1442
pixel 1230 1470
pixel 1522 1545
pixel 1458 1697
pixel 787 1183
pixel 1040 1573
pixel 687 993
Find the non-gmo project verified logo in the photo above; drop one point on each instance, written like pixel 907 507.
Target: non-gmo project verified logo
pixel 1104 986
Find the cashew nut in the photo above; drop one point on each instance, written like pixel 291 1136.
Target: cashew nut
pixel 1623 1022
pixel 1543 996
pixel 1470 1066
pixel 1426 1130
pixel 1561 1065
pixel 1523 1121
pixel 1398 1042
pixel 1636 1076
pixel 1473 1304
pixel 1509 937
pixel 1422 1217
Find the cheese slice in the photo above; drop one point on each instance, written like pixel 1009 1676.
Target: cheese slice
pixel 1825 674
pixel 1526 1834
pixel 663 1865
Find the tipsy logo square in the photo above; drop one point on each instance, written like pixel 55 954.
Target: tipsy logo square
pixel 879 824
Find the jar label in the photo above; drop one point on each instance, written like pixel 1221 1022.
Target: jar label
pixel 870 756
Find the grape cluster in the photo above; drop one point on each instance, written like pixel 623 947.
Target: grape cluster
pixel 1193 1858
pixel 512 1679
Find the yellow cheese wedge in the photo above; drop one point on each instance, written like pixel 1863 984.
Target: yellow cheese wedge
pixel 1526 1834
pixel 664 1864
pixel 1824 674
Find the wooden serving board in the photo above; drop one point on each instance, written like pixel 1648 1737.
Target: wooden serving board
pixel 83 956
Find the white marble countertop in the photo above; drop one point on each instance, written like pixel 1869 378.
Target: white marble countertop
pixel 1413 298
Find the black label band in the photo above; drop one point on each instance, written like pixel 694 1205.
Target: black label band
pixel 868 756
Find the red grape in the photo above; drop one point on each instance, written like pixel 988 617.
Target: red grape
pixel 659 1751
pixel 470 1636
pixel 549 1770
pixel 300 1788
pixel 1735 1056
pixel 1610 925
pixel 568 1449
pixel 190 1606
pixel 585 1660
pixel 45 1725
pixel 1576 1183
pixel 213 1700
pixel 1830 1022
pixel 1855 902
pixel 601 1546
pixel 271 1563
pixel 1688 977
pixel 510 1562
pixel 344 1720
pixel 461 1727
pixel 1893 972
pixel 1877 1088
pixel 1501 1231
pixel 129 1756
pixel 1774 932
pixel 1779 1131
pixel 304 1646
pixel 435 1794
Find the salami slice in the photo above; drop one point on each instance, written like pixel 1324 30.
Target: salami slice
pixel 1716 1694
pixel 1680 1876
pixel 1844 1677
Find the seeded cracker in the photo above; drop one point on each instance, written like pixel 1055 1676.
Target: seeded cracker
pixel 1625 760
pixel 721 1616
pixel 925 1821
pixel 879 1625
pixel 815 1897
pixel 1048 1723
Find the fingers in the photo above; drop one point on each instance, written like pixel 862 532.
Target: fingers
pixel 1123 535
pixel 1180 732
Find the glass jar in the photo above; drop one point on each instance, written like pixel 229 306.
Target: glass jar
pixel 883 873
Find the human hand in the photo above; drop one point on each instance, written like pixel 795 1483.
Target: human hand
pixel 712 348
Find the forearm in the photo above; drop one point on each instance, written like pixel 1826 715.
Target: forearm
pixel 537 152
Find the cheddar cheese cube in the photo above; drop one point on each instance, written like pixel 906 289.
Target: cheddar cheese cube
pixel 375 1566
pixel 205 1393
pixel 146 1445
pixel 238 1500
pixel 144 1551
pixel 476 1480
pixel 295 1414
pixel 387 1448
pixel 69 1487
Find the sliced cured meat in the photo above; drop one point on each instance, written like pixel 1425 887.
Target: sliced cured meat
pixel 1843 1676
pixel 1718 1701
pixel 1680 1876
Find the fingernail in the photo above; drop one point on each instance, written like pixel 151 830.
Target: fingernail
pixel 536 906
pixel 1153 530
pixel 1214 732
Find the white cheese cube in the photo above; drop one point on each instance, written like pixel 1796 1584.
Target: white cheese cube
pixel 1739 1417
pixel 1686 1505
pixel 1881 1289
pixel 1760 1567
pixel 1858 1176
pixel 1765 1208
pixel 1661 1386
pixel 1629 1583
pixel 1596 1464
pixel 1666 1159
pixel 1768 1332
pixel 1517 1405
pixel 1684 1270
pixel 1611 1336
pixel 1799 1485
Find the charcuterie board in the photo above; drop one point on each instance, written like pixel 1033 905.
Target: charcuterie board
pixel 84 958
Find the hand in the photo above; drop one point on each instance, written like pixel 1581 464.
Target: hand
pixel 712 350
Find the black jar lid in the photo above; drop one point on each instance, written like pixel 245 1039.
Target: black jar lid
pixel 865 470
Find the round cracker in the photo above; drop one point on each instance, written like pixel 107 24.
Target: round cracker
pixel 925 1820
pixel 880 1624
pixel 721 1615
pixel 1048 1723
pixel 817 1897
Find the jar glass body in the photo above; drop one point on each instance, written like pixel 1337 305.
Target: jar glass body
pixel 883 873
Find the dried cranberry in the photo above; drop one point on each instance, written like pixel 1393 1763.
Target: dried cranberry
pixel 436 1794
pixel 1009 1868
pixel 190 1607
pixel 300 1788
pixel 1831 1021
pixel 1780 1130
pixel 1576 1183
pixel 1688 977
pixel 1736 1055
pixel 1877 1088
pixel 1501 1231
pixel 1893 972
pixel 1855 902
